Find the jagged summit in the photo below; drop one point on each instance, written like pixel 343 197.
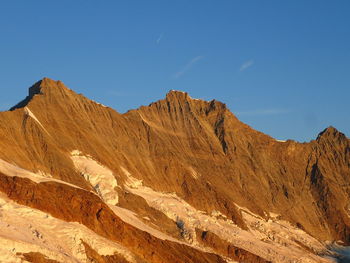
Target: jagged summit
pixel 329 130
pixel 45 85
pixel 33 90
pixel 331 133
pixel 182 96
pixel 176 95
pixel 48 86
pixel 173 91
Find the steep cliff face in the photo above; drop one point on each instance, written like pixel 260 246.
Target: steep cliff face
pixel 149 179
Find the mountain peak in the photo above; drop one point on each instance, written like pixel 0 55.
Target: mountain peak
pixel 50 83
pixel 173 91
pixel 43 86
pixel 331 133
pixel 176 94
pixel 181 98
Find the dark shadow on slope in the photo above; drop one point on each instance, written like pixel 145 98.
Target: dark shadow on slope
pixel 344 254
pixel 33 90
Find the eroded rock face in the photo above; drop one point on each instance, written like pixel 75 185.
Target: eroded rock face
pixel 179 153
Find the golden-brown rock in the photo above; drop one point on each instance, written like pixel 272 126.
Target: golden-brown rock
pixel 195 148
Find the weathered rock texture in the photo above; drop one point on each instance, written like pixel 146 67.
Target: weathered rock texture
pixel 195 148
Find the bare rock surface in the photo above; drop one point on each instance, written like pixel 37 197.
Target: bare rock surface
pixel 154 179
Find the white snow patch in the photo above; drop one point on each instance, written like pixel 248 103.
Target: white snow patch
pixel 101 178
pixel 104 106
pixel 132 219
pixel 281 140
pixel 131 181
pixel 31 114
pixel 76 153
pixel 39 177
pixel 43 174
pixel 24 230
pixel 273 240
pixel 271 215
pixel 218 214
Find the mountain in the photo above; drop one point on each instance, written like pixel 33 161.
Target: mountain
pixel 180 180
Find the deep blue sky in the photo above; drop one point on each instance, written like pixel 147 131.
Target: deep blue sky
pixel 283 67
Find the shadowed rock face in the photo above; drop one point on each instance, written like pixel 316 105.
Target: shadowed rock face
pixel 195 148
pixel 36 258
pixel 33 90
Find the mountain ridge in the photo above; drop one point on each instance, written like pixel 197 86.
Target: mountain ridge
pixel 180 162
pixel 171 96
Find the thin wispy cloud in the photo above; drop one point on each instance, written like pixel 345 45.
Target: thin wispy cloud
pixel 159 39
pixel 246 65
pixel 188 66
pixel 263 112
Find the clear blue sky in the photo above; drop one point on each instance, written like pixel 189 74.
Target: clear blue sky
pixel 283 67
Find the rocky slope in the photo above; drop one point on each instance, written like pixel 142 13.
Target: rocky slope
pixel 180 180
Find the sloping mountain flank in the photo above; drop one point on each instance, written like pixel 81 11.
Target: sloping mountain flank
pixel 180 180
